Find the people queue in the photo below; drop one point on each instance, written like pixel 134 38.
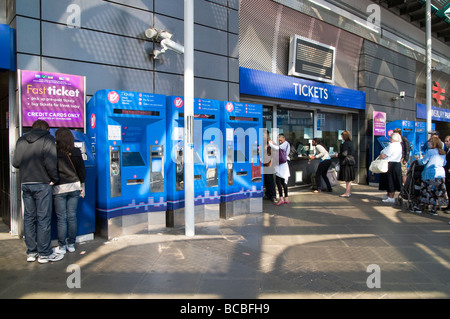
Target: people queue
pixel 280 168
pixel 433 180
pixel 52 173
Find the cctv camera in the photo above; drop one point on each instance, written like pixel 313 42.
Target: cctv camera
pixel 402 94
pixel 151 33
pixel 169 44
pixel 165 35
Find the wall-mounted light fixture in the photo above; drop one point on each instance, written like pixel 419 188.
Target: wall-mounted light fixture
pixel 401 95
pixel 164 39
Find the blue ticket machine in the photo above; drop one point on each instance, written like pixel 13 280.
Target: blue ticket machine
pixel 241 169
pixel 207 143
pixel 86 204
pixel 421 137
pixel 127 131
pixel 408 130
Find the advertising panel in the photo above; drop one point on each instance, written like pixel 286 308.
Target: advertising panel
pixel 58 99
pixel 379 123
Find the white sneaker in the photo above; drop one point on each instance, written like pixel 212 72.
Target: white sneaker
pixel 32 257
pixel 52 257
pixel 60 250
pixel 71 248
pixel 389 200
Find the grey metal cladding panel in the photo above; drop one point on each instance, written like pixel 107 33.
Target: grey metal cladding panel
pixel 233 70
pixel 385 68
pixel 233 21
pixel 99 77
pixel 387 55
pixel 233 92
pixel 170 62
pixel 384 98
pixel 28 62
pixel 205 13
pixel 209 89
pixel 405 75
pixel 141 4
pixel 205 65
pixel 169 84
pixel 173 8
pixel 391 85
pixel 210 66
pixel 28 35
pixel 233 45
pixel 91 46
pixel 60 6
pixel 29 8
pixel 379 66
pixel 212 15
pixel 101 16
pixel 234 4
pixel 210 40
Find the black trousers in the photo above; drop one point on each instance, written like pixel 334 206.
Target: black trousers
pixel 322 170
pixel 282 186
pixel 447 186
pixel 269 185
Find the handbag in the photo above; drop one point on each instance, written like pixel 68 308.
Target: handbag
pixel 282 156
pixel 349 160
pixel 379 166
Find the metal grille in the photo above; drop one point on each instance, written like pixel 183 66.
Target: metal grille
pixel 265 28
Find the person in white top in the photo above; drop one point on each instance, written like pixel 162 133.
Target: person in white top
pixel 282 169
pixel 392 180
pixel 321 153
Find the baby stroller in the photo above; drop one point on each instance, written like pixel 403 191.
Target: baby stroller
pixel 411 189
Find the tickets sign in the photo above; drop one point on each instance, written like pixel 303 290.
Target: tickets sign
pixel 59 99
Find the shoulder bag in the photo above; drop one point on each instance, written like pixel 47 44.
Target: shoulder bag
pixel 379 166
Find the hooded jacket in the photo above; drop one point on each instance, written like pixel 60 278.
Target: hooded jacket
pixel 35 156
pixel 72 172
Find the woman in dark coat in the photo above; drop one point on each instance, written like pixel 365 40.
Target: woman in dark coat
pixel 346 162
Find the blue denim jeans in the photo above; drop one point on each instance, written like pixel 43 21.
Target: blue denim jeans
pixel 66 205
pixel 37 200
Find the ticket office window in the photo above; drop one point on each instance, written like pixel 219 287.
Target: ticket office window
pixel 298 128
pixel 268 118
pixel 329 127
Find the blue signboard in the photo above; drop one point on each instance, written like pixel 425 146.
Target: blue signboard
pixel 260 83
pixel 438 114
pixel 6 48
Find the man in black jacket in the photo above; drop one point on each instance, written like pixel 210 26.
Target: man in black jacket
pixel 35 156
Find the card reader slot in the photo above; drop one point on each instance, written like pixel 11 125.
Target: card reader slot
pixel 138 181
pixel 241 173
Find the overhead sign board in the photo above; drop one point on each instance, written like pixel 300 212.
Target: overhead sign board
pixel 260 83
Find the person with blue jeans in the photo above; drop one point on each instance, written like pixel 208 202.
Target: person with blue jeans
pixel 67 191
pixel 35 157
